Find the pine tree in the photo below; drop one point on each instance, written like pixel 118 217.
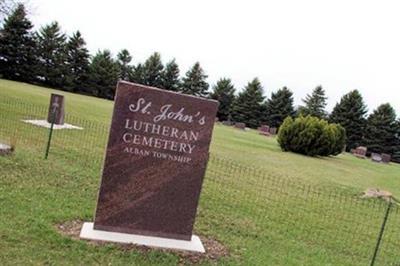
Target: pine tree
pixel 350 113
pixel 124 59
pixel 78 63
pixel 17 47
pixel 52 50
pixel 194 82
pixel 137 74
pixel 170 76
pixel 396 153
pixel 224 93
pixel 104 74
pixel 315 103
pixel 152 71
pixel 278 107
pixel 381 130
pixel 247 107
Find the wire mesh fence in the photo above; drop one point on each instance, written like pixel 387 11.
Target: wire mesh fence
pixel 241 204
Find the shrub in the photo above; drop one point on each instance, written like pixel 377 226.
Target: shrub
pixel 311 136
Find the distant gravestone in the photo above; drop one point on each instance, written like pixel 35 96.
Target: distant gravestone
pixel 56 109
pixel 376 157
pixel 360 152
pixel 240 125
pixel 264 130
pixel 227 123
pixel 155 163
pixel 386 158
pixel 273 130
pixel 5 149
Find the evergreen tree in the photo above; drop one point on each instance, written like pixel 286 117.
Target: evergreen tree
pixel 52 51
pixel 315 103
pixel 381 130
pixel 396 153
pixel 170 76
pixel 78 63
pixel 137 74
pixel 104 74
pixel 194 82
pixel 153 70
pixel 124 59
pixel 278 107
pixel 247 107
pixel 17 47
pixel 350 113
pixel 224 93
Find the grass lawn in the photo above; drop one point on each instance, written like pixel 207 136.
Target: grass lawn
pixel 265 215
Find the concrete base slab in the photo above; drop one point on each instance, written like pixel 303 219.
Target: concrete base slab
pixel 5 149
pixel 89 233
pixel 44 123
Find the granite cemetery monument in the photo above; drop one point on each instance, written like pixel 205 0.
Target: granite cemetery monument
pixel 227 123
pixel 264 130
pixel 154 166
pixel 56 114
pixel 273 130
pixel 386 158
pixel 360 152
pixel 5 149
pixel 56 109
pixel 240 125
pixel 376 157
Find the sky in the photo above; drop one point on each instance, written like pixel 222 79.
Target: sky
pixel 340 44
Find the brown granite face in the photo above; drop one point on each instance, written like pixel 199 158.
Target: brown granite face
pixel 155 162
pixel 56 109
pixel 264 129
pixel 273 130
pixel 240 125
pixel 386 158
pixel 361 151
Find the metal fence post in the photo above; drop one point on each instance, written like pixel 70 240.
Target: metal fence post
pixel 382 231
pixel 53 118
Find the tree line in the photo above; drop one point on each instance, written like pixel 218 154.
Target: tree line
pixel 51 58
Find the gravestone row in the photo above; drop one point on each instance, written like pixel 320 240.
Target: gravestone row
pixel 361 152
pixel 267 130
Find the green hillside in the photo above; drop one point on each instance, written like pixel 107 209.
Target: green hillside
pixel 266 206
pixel 248 147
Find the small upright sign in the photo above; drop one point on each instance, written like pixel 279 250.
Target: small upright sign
pixel 56 109
pixel 155 162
